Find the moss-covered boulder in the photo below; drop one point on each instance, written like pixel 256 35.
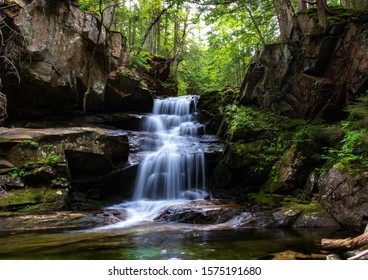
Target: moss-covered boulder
pixel 34 200
pixel 291 171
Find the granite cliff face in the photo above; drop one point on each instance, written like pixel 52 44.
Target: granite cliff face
pixel 315 75
pixel 70 63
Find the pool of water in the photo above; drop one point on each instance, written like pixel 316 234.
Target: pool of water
pixel 159 241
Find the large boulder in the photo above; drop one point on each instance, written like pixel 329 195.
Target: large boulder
pixel 345 196
pixel 90 161
pixel 292 170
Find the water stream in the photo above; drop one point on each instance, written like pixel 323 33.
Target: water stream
pixel 173 169
pixel 172 172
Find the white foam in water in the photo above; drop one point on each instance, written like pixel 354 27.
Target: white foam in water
pixel 175 170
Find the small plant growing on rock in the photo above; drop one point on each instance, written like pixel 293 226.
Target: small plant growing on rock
pixel 30 144
pixel 53 160
pixel 17 172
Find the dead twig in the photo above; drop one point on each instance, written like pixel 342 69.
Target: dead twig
pixel 360 255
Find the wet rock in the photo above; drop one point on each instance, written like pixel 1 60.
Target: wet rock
pixel 286 216
pixel 11 183
pixel 345 196
pixel 278 218
pixel 242 216
pixel 118 120
pixel 205 212
pixel 60 220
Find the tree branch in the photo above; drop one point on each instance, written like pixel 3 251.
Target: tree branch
pixel 158 17
pixel 358 256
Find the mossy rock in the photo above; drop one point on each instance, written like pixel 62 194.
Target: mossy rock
pixel 313 215
pixel 29 199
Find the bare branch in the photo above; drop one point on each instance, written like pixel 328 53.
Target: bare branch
pixel 358 256
pixel 13 70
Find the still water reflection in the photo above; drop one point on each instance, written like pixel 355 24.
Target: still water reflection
pixel 156 241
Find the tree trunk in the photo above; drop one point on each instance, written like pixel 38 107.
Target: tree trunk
pixel 301 6
pixel 166 54
pixel 321 12
pixel 153 22
pixel 346 3
pixel 285 15
pixel 344 245
pixel 158 38
pixel 178 46
pixel 109 13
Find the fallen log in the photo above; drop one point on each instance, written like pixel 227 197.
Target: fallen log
pixel 344 245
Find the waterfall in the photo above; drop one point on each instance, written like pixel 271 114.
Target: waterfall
pixel 176 166
pixel 173 169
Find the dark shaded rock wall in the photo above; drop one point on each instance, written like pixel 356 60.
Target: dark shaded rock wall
pixel 70 63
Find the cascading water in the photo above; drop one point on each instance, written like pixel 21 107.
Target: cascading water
pixel 174 168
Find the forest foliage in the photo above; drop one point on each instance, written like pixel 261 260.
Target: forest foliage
pixel 208 42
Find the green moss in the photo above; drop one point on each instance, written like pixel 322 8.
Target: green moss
pixel 143 84
pixel 53 160
pixel 6 140
pixel 22 197
pixel 309 206
pixel 246 149
pixel 30 199
pixel 30 144
pixel 265 198
pixel 274 181
pixel 246 122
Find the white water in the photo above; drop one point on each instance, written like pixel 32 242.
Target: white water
pixel 174 169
